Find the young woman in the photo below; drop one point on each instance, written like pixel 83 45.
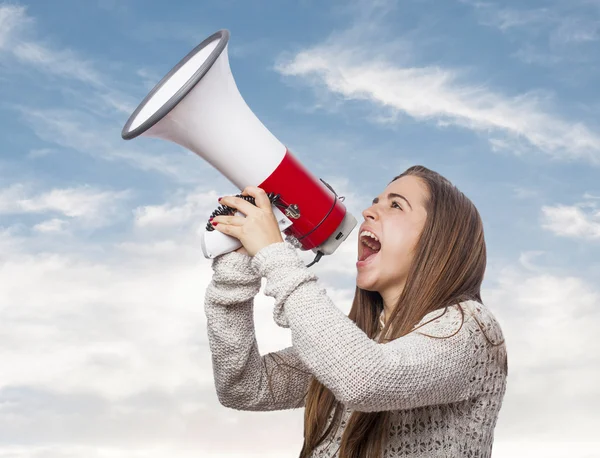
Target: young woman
pixel 417 369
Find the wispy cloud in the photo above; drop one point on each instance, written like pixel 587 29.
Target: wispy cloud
pixel 579 221
pixel 13 19
pixel 548 35
pixel 17 38
pixel 493 15
pixel 81 122
pixel 568 22
pixel 90 206
pixel 70 128
pixel 438 94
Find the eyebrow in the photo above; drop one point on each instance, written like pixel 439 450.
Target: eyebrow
pixel 392 195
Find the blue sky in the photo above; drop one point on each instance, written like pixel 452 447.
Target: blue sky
pixel 103 276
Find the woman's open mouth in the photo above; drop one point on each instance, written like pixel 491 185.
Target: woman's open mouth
pixel 370 246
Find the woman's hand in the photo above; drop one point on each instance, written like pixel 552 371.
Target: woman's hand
pixel 258 228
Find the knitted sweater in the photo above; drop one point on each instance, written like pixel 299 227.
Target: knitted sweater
pixel 444 394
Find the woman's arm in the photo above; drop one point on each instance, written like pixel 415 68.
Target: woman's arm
pixel 241 374
pixel 409 372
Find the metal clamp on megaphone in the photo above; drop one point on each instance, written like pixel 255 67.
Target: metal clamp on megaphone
pixel 198 106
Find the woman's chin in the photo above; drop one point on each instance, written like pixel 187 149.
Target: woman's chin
pixel 366 281
pixel 367 272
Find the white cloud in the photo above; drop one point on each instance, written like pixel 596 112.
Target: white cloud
pixel 438 94
pixel 103 451
pixel 13 19
pixel 90 206
pixel 551 448
pixel 109 346
pixel 526 260
pixel 580 221
pixel 195 206
pixel 116 327
pixel 51 225
pixel 550 324
pixel 588 195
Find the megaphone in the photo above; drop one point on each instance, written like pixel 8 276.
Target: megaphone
pixel 198 106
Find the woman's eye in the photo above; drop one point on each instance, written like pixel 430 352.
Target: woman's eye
pixel 396 205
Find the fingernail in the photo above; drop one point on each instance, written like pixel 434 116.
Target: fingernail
pixel 214 224
pixel 210 219
pixel 219 199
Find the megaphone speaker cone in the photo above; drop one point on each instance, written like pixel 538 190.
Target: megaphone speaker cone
pixel 175 85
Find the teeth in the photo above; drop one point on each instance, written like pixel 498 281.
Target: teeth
pixel 369 234
pixel 365 241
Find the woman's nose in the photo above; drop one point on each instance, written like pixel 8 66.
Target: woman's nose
pixel 369 213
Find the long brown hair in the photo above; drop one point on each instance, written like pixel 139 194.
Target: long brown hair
pixel 448 268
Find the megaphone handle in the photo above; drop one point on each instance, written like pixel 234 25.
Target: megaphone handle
pixel 215 243
pixel 225 210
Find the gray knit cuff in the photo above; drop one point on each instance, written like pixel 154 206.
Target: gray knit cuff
pixel 273 257
pixel 285 271
pixel 234 267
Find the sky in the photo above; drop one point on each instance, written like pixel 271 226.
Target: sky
pixel 103 342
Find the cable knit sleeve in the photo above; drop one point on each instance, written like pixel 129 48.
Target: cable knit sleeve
pixel 241 374
pixel 412 371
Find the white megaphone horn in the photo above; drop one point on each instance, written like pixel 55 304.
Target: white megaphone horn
pixel 198 106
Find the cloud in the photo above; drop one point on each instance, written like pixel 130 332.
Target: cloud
pixel 51 225
pixel 70 128
pixel 113 319
pixel 564 22
pixel 91 207
pixel 110 346
pixel 181 451
pixel 13 19
pixel 526 260
pixel 437 94
pixel 550 323
pixel 505 19
pixel 545 449
pixel 579 221
pixel 196 206
pixel 86 120
pixel 16 28
pixel 524 192
pixel 546 36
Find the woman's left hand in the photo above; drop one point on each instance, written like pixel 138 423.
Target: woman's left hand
pixel 258 228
